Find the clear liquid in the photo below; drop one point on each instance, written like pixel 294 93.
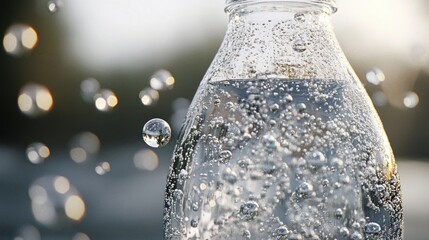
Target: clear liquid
pixel 283 159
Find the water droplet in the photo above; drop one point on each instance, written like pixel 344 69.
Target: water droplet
pixel 300 45
pixel 54 5
pixel 84 146
pixel 299 17
pixel 102 168
pixel 156 133
pixel 37 152
pixel 162 80
pixel 316 159
pixel 375 76
pixel 19 39
pixel 301 107
pixel 149 96
pixel 225 156
pixel 249 210
pixel 379 99
pixel 55 201
pixel 34 100
pixel 105 100
pixel 411 99
pixel 80 236
pixel 146 159
pixel 194 223
pixel 372 228
pixel 88 88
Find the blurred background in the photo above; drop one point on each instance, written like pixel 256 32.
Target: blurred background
pixel 80 78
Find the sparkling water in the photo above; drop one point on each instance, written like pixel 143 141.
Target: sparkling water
pixel 283 159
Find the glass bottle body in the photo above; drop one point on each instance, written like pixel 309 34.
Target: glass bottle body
pixel 281 140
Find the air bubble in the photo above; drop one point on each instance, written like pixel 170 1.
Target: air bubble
pixel 344 232
pixel 37 153
pixel 339 213
pixel 375 76
pixel 229 176
pixel 149 96
pixel 372 228
pixel 34 100
pixel 156 133
pixel 301 107
pixel 299 17
pixel 225 156
pixel 300 45
pixel 162 80
pixel 411 99
pixel 316 159
pixel 54 5
pixel 281 233
pixel 249 210
pixel 19 39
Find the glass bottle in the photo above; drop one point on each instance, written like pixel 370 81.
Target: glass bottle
pixel 281 140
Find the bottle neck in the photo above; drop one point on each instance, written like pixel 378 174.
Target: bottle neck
pixel 328 6
pixel 279 39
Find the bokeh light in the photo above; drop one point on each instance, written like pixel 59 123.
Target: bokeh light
pixel 411 99
pixel 146 159
pixel 34 100
pixel 28 232
pixel 105 100
pixel 103 168
pixel 81 236
pixel 55 5
pixel 84 146
pixel 19 39
pixel 88 88
pixel 162 80
pixel 149 96
pixel 37 152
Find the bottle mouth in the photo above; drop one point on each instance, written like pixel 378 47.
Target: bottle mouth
pixel 330 5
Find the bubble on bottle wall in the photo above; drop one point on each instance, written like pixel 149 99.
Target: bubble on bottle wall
pixel 156 133
pixel 149 96
pixel 411 99
pixel 88 88
pixel 37 152
pixel 162 80
pixel 55 5
pixel 105 100
pixel 379 99
pixel 84 146
pixel 146 159
pixel 19 39
pixel 55 201
pixel 81 236
pixel 28 232
pixel 102 168
pixel 34 100
pixel 375 76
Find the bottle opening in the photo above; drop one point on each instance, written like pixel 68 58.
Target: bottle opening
pixel 329 5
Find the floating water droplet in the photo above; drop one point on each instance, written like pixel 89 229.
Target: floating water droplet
pixel 375 76
pixel 300 45
pixel 84 146
pixel 37 152
pixel 411 99
pixel 55 201
pixel 149 96
pixel 34 100
pixel 372 228
pixel 316 159
pixel 162 80
pixel 299 17
pixel 379 99
pixel 19 39
pixel 80 236
pixel 28 232
pixel 225 156
pixel 54 5
pixel 102 168
pixel 156 133
pixel 88 88
pixel 105 100
pixel 249 210
pixel 146 159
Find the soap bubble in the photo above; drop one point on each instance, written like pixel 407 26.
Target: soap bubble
pixel 411 99
pixel 84 146
pixel 37 152
pixel 55 201
pixel 162 80
pixel 156 133
pixel 146 159
pixel 102 168
pixel 88 88
pixel 148 96
pixel 54 5
pixel 34 100
pixel 375 76
pixel 105 100
pixel 19 39
pixel 28 232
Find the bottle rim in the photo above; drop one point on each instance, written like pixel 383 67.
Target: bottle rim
pixel 330 4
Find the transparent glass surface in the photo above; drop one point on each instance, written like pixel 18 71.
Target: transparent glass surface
pixel 281 140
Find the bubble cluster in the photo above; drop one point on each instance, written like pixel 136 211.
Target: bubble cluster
pixel 156 133
pixel 19 39
pixel 35 100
